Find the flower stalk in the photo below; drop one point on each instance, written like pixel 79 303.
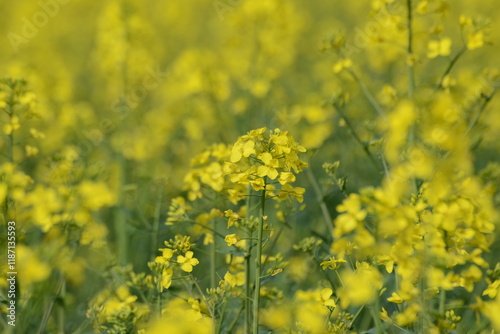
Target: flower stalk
pixel 258 262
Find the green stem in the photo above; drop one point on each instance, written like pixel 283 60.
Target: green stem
pixel 235 320
pixel 258 262
pixel 474 121
pixel 374 310
pixel 246 304
pixel 9 205
pixel 49 309
pixel 356 137
pixel 442 301
pixel 222 318
pixel 422 319
pixel 159 302
pixel 411 79
pixel 248 255
pixel 120 224
pixel 357 315
pixel 60 310
pixel 204 299
pixel 368 94
pixel 319 197
pixel 156 222
pixel 10 111
pixel 208 228
pixel 450 66
pixel 213 258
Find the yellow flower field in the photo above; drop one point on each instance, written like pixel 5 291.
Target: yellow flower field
pixel 237 166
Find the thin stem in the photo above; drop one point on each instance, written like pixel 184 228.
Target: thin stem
pixel 159 301
pixel 411 78
pixel 374 310
pixel 235 320
pixel 356 136
pixel 319 197
pixel 206 227
pixel 46 316
pixel 60 309
pixel 10 136
pixel 9 205
pixel 386 167
pixel 357 314
pixel 120 223
pixel 213 258
pixel 222 318
pixel 156 222
pixel 487 99
pixel 246 303
pixel 450 66
pixel 368 94
pixel 209 307
pixel 258 262
pixel 442 301
pixel 340 278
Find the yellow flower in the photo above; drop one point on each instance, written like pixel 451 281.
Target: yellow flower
pixel 231 239
pixel 325 295
pixel 475 41
pixel 341 65
pixel 360 286
pixel 492 289
pixel 395 298
pixel 233 217
pixel 95 195
pixel 31 269
pixel 286 177
pixel 188 262
pixel 235 280
pixel 465 21
pixel 166 256
pixel 12 125
pixel 469 276
pixel 209 239
pixel 31 151
pixel 195 308
pixel 166 278
pixel 269 167
pixel 177 209
pixel 409 315
pixel 440 47
pixel 240 150
pixel 288 191
pixel 492 310
pixel 385 316
pixel 332 263
pixel 348 221
pixel 257 184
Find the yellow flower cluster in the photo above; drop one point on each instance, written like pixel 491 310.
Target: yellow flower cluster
pixel 254 159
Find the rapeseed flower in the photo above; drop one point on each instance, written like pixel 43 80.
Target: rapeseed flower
pixel 187 261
